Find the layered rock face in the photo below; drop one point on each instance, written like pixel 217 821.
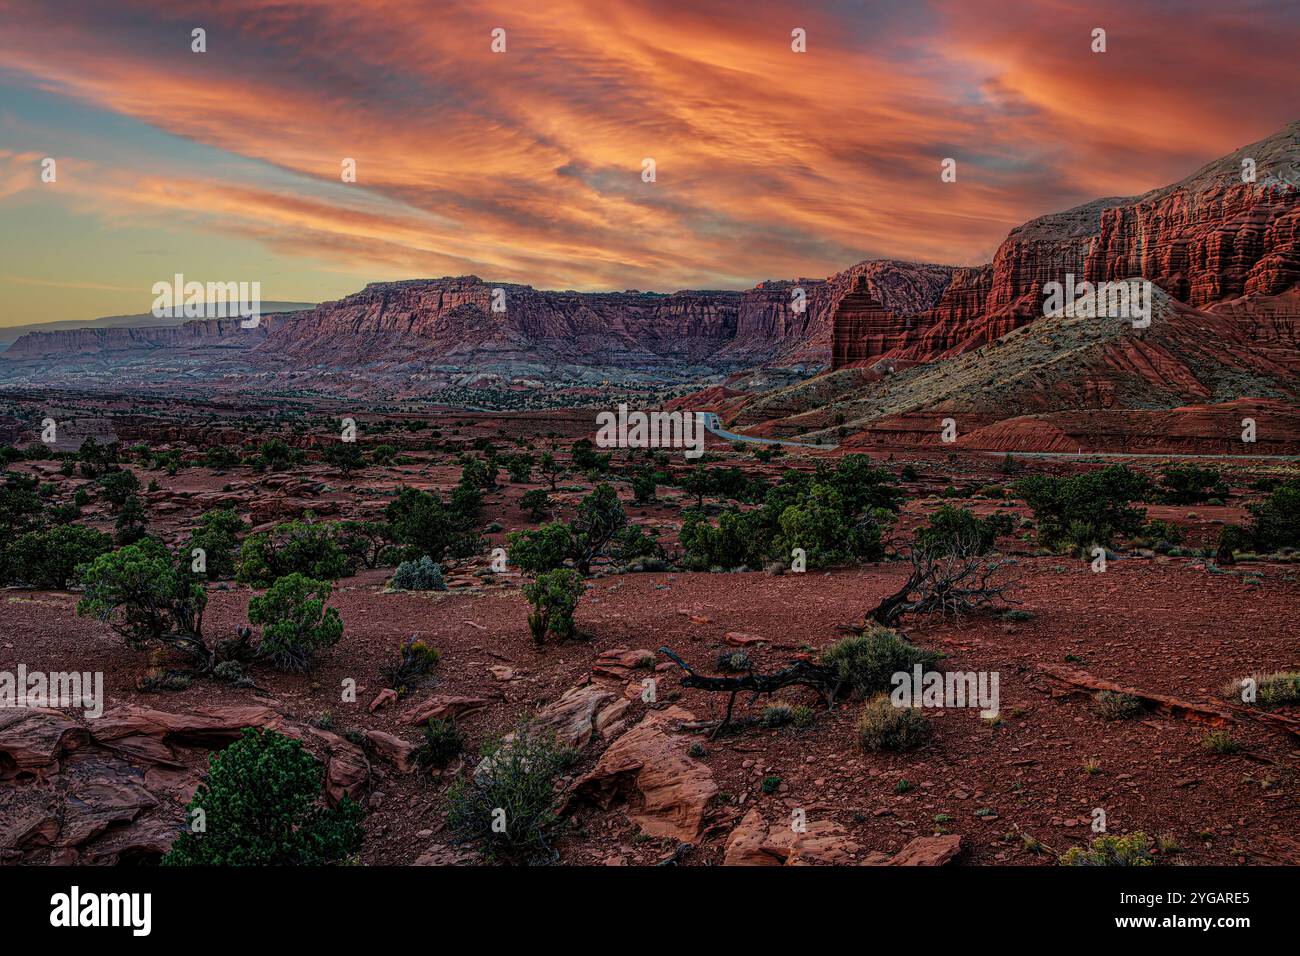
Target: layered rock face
pixel 199 333
pixel 1207 239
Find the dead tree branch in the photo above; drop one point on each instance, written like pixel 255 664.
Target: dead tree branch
pixel 822 680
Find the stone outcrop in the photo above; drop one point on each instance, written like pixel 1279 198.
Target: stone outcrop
pixel 1207 239
pixel 115 789
pixel 666 792
pixel 824 843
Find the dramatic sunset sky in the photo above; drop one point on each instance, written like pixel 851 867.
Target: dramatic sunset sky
pixel 526 166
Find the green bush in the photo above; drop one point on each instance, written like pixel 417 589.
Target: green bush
pixel 632 544
pixel 1159 530
pixel 644 486
pixel 363 542
pixel 1232 538
pixel 345 456
pixel 1189 485
pixel 218 535
pixel 1115 706
pixel 507 806
pixel 220 458
pixel 520 467
pixel 131 522
pixel 1131 850
pixel 261 806
pixel 554 597
pixel 824 527
pixel 418 658
pixel 1276 520
pixel 296 624
pixel 542 550
pixel 600 516
pixel 536 502
pixel 953 529
pixel 882 726
pixel 425 525
pixel 1076 512
pixel 739 539
pixel 116 486
pixel 292 547
pixel 422 575
pixel 48 559
pixel 864 663
pixel 442 744
pixel 141 593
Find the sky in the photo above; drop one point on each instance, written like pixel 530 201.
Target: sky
pixel 528 165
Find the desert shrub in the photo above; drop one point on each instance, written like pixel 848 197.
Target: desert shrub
pixel 732 662
pixel 261 803
pixel 478 473
pixel 418 658
pixel 519 467
pixel 600 516
pixel 585 457
pixel 777 715
pixel 1189 485
pixel 220 458
pixel 1276 690
pixel 1276 520
pixel 422 524
pixel 131 523
pixel 1115 706
pixel 536 502
pixel 364 543
pixel 908 473
pixel 422 575
pixel 542 550
pixel 1271 690
pixel 1232 538
pixel 950 528
pixel 632 544
pixel 1159 530
pixel 644 486
pixel 275 454
pixel 1131 850
pixel 836 515
pixel 737 540
pixel 141 593
pixel 116 486
pixel 1076 512
pixel 49 558
pixel 1220 742
pixel 296 624
pixel 442 743
pixel 218 535
pixel 553 597
pixel 882 726
pixel 550 468
pixel 383 454
pixel 20 506
pixel 346 456
pixel 825 528
pixel 292 547
pixel 864 663
pixel 507 806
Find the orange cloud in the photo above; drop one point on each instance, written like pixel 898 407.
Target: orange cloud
pixel 526 166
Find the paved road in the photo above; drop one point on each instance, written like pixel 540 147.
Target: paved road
pixel 712 423
pixel 1130 454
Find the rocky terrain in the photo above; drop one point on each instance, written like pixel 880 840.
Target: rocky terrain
pixel 649 782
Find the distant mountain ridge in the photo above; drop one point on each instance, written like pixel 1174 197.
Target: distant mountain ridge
pixel 10 334
pixel 1208 240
